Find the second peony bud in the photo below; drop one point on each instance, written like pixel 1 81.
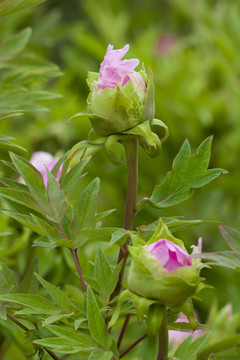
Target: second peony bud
pixel 163 271
pixel 120 98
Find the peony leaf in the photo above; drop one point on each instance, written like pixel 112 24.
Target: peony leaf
pixel 189 172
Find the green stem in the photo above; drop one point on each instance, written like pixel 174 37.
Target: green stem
pixel 131 150
pixel 163 338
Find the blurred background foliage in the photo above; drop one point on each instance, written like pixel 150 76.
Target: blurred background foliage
pixel 192 47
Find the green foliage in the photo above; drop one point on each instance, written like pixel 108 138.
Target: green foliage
pixel 11 6
pixel 195 98
pixel 189 172
pixel 97 326
pixel 188 349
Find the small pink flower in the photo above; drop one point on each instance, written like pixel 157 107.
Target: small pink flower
pixel 40 159
pixel 169 254
pixel 113 69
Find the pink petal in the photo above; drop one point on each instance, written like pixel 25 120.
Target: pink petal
pixel 113 68
pixel 40 160
pixel 169 254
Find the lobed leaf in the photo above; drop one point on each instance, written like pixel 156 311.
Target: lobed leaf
pixel 189 172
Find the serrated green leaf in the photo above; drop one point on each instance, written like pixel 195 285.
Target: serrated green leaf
pixel 20 197
pixel 11 6
pixel 119 234
pixel 102 272
pixel 56 197
pixel 189 172
pixel 99 234
pixel 55 318
pixel 74 175
pixel 13 45
pixel 195 347
pixel 30 284
pixel 52 231
pixel 88 203
pixel 7 282
pixel 96 323
pixel 10 146
pixel 57 344
pixel 27 221
pixel 58 295
pixel 13 184
pixel 100 355
pixel 79 338
pixel 100 216
pixel 124 296
pixel 182 348
pixel 34 301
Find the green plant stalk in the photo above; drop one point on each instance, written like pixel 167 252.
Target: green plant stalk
pixel 131 149
pixel 163 338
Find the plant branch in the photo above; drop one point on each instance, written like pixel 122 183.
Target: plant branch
pixel 78 267
pixel 125 324
pixel 76 261
pixel 17 322
pixel 131 150
pixel 132 346
pixel 163 338
pixel 53 356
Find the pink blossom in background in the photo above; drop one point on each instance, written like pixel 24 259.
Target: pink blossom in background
pixel 176 337
pixel 40 159
pixel 113 68
pixel 166 44
pixel 169 254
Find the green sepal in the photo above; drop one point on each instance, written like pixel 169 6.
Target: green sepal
pixel 160 123
pixel 141 304
pixel 154 319
pixel 110 142
pixel 162 232
pixel 143 130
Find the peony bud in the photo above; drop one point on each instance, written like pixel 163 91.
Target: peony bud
pixel 40 160
pixel 163 271
pixel 176 337
pixel 120 98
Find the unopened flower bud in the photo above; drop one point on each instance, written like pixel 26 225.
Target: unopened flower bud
pixel 120 98
pixel 163 271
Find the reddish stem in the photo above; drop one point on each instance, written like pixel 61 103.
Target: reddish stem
pixel 132 346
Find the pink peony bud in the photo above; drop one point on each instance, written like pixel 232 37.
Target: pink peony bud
pixel 169 254
pixel 176 337
pixel 40 159
pixel 120 98
pixel 113 69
